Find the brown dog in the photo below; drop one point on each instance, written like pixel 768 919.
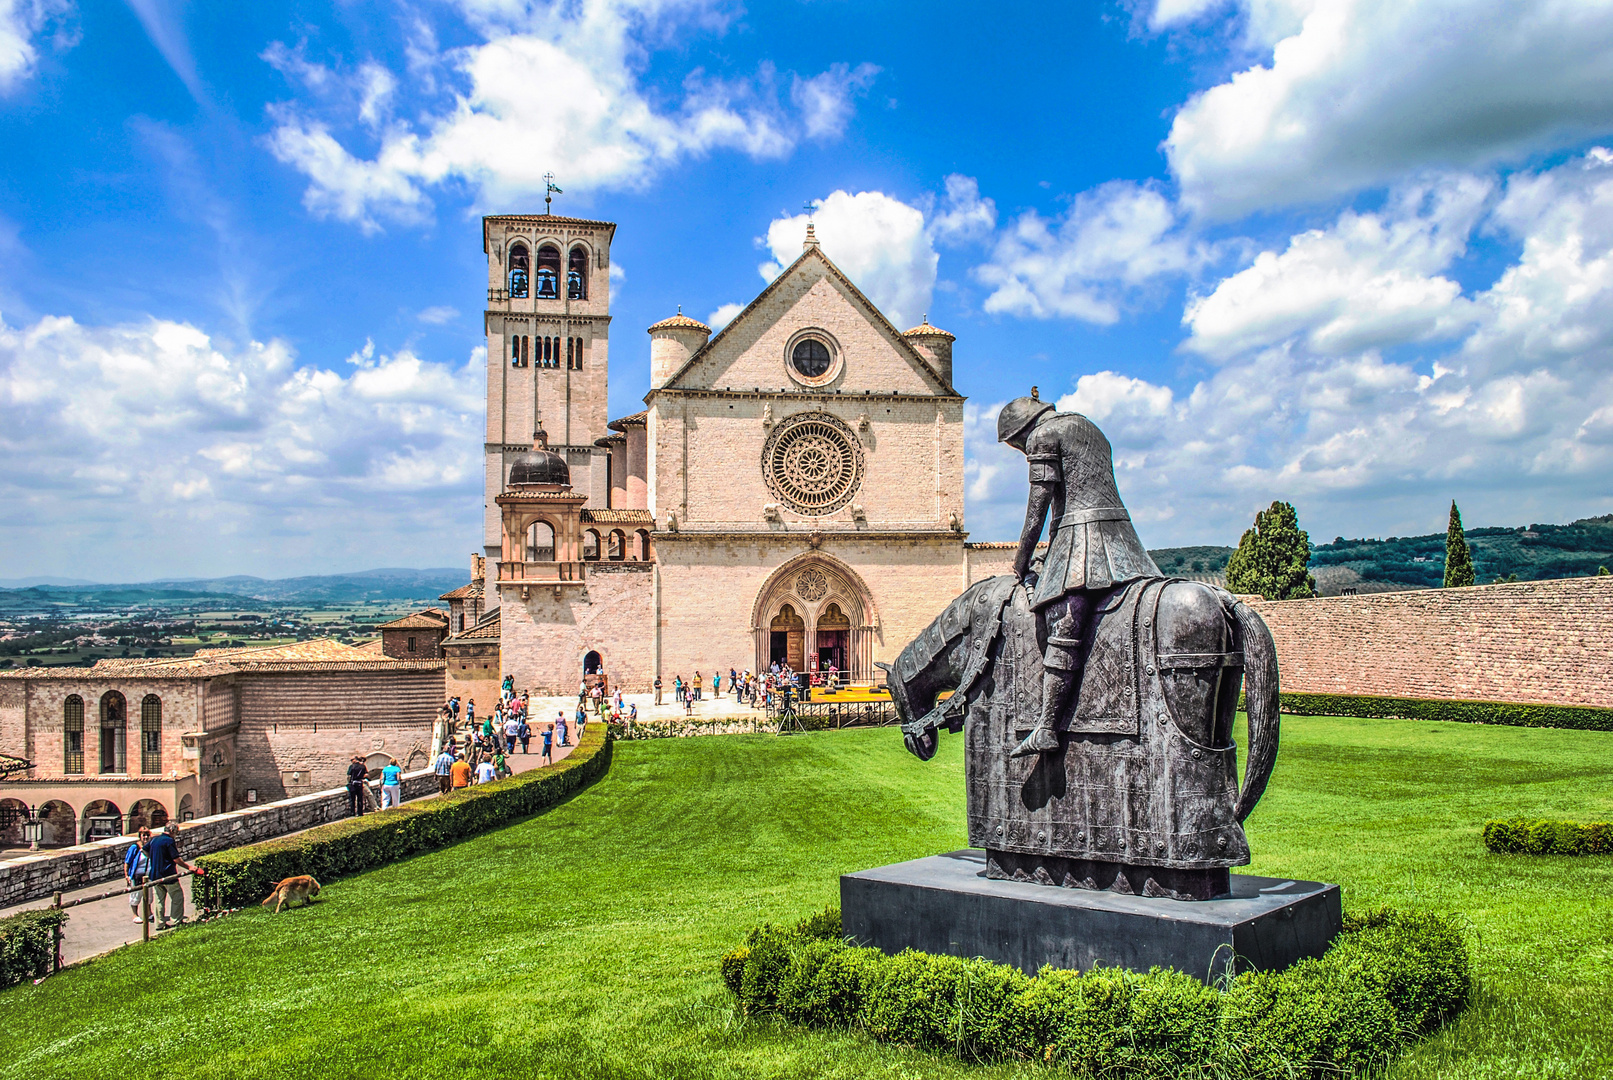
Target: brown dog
pixel 301 887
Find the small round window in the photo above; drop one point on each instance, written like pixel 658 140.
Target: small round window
pixel 810 357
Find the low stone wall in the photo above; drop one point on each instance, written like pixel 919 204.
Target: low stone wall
pixel 1547 642
pixel 30 877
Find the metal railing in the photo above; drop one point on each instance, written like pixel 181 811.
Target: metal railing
pixel 58 904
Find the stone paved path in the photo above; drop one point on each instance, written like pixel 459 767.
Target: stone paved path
pixel 96 928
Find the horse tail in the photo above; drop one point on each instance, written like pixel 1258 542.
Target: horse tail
pixel 1262 702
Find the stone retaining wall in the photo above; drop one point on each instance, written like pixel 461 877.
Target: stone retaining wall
pixel 30 877
pixel 1548 642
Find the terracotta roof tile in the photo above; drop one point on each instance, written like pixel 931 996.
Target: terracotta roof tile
pixel 638 419
pixel 924 329
pixel 487 629
pixel 679 321
pixel 619 517
pixel 429 619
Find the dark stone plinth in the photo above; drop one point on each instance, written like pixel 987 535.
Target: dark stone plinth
pixel 945 904
pixel 1201 884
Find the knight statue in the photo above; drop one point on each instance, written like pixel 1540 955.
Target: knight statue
pixel 1092 546
pixel 1095 695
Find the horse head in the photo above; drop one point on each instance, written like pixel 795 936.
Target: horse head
pixel 922 745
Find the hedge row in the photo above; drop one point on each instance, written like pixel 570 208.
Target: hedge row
pixel 680 727
pixel 1539 836
pixel 1510 713
pixel 1389 979
pixel 243 875
pixel 27 944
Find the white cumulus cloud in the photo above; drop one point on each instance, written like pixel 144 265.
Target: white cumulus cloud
pixel 880 242
pixel 1112 241
pixel 552 87
pixel 1355 94
pixel 1371 279
pixel 21 23
pixel 154 441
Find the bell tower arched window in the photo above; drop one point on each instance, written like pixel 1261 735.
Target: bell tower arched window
pixel 577 273
pixel 520 269
pixel 548 272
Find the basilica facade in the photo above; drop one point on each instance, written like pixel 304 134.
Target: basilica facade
pixel 792 490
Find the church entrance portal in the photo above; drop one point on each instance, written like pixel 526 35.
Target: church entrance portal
pixel 593 663
pixel 815 612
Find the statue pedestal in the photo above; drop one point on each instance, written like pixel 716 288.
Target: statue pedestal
pixel 945 904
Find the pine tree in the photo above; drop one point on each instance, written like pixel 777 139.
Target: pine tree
pixel 1273 557
pixel 1458 559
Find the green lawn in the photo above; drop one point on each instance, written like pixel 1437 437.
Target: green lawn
pixel 584 942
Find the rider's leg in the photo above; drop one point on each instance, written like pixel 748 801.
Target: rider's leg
pixel 1067 620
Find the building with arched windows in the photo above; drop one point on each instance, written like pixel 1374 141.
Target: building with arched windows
pixel 792 490
pixel 134 742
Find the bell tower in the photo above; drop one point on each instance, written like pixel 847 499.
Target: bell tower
pixel 548 347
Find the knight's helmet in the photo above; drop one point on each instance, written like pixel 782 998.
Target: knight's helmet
pixel 1018 415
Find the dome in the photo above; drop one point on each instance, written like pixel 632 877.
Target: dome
pixel 680 321
pixel 540 466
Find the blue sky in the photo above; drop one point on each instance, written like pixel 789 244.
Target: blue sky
pixel 1354 255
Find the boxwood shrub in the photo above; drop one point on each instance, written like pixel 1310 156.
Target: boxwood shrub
pixel 243 875
pixel 1509 713
pixel 1541 836
pixel 27 945
pixel 1390 978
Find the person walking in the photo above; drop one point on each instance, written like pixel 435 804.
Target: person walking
pixel 695 684
pixel 658 689
pixel 443 766
pixel 524 733
pixel 560 728
pixel 501 765
pixel 357 774
pixel 548 743
pixel 470 712
pixel 164 852
pixel 391 784
pixel 716 686
pixel 485 772
pixel 137 869
pixel 459 773
pixel 512 732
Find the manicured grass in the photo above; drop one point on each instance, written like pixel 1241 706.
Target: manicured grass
pixel 584 942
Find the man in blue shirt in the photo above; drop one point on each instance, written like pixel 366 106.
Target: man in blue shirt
pixel 443 767
pixel 164 854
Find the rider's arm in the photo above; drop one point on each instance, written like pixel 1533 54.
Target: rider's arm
pixel 1045 479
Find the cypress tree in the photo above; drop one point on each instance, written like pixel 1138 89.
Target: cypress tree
pixel 1458 559
pixel 1273 558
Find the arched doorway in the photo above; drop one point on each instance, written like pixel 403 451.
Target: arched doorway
pixel 148 813
pixel 593 663
pixel 101 820
pixel 61 824
pixel 829 610
pixel 786 638
pixel 13 812
pixel 833 638
pixel 187 807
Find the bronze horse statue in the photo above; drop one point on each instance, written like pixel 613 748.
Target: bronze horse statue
pixel 1143 794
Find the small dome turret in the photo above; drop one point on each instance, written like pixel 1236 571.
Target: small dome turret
pixel 540 465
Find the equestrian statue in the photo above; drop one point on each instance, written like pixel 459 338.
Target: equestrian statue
pixel 1095 694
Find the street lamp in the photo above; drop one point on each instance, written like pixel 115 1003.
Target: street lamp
pixel 33 830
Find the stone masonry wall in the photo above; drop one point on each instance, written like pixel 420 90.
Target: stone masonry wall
pixel 1541 641
pixel 30 877
pixel 544 639
pixel 312 723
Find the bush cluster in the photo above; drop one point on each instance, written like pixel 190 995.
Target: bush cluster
pixel 243 875
pixel 27 944
pixel 1541 836
pixel 678 728
pixel 1390 978
pixel 1509 713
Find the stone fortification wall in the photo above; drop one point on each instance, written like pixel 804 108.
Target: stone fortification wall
pixel 544 639
pixel 311 723
pixel 30 877
pixel 1538 641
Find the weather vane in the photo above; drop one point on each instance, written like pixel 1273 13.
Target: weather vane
pixel 550 191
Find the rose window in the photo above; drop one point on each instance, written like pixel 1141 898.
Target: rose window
pixel 813 463
pixel 812 585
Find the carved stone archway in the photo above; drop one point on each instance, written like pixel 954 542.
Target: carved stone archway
pixel 815 586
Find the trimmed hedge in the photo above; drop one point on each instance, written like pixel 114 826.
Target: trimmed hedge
pixel 1509 713
pixel 1390 978
pixel 1541 836
pixel 244 875
pixel 27 944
